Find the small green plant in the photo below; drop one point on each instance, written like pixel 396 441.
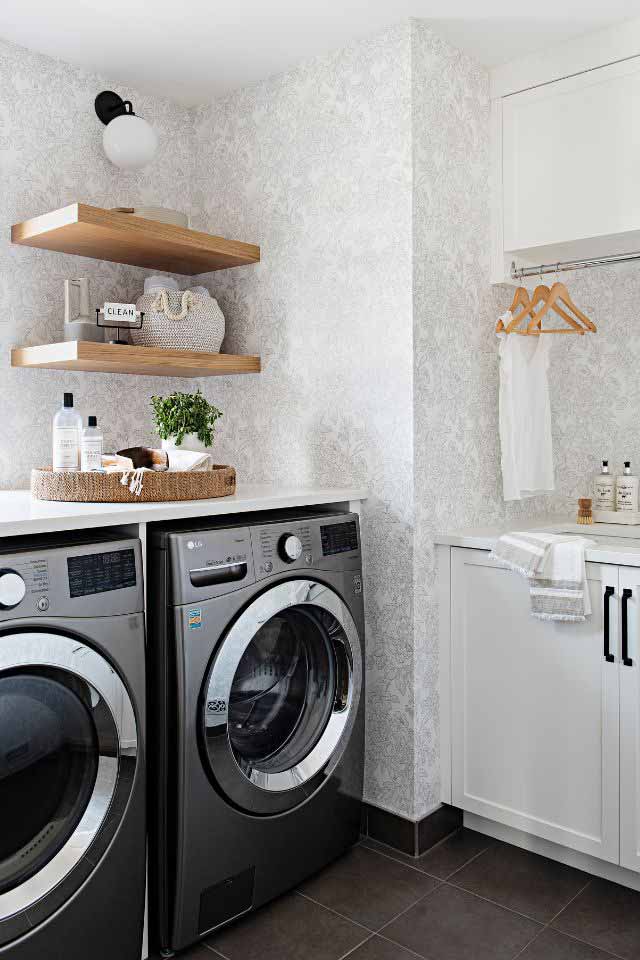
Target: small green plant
pixel 182 413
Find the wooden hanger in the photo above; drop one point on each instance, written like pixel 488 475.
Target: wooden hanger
pixel 520 299
pixel 550 300
pixel 560 293
pixel 542 295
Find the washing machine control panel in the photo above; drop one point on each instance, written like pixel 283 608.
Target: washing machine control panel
pixel 319 543
pixel 98 579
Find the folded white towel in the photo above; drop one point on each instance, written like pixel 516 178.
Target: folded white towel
pixel 191 460
pixel 556 569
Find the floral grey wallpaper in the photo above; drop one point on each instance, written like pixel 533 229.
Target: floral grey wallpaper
pixel 51 155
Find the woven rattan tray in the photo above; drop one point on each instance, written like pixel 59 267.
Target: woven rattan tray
pixel 156 487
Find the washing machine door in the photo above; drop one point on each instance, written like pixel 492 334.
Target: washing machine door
pixel 63 767
pixel 281 697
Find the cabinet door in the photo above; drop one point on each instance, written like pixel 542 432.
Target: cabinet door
pixel 630 720
pixel 571 154
pixel 535 734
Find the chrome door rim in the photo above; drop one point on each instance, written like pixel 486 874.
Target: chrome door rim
pixel 290 593
pixel 44 649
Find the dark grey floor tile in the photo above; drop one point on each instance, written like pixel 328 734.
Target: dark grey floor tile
pixel 378 949
pixel 368 888
pixel 454 852
pixel 288 929
pixel 454 925
pixel 555 946
pixel 606 915
pixel 445 858
pixel 522 881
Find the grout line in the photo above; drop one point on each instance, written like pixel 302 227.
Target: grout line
pixel 586 943
pixel 214 951
pixel 337 913
pixel 356 947
pixel 388 856
pixel 567 905
pixel 547 925
pixel 528 943
pixel 524 916
pixel 425 896
pixel 396 943
pixel 470 860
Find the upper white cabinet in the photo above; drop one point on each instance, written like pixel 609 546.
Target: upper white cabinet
pixel 566 169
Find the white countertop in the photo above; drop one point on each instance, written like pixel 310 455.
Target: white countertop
pixel 616 543
pixel 20 514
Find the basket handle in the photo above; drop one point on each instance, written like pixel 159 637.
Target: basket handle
pixel 161 305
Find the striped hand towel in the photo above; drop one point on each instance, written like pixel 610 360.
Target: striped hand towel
pixel 555 566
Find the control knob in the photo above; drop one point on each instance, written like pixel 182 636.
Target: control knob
pixel 12 589
pixel 290 547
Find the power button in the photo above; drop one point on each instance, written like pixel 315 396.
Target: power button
pixel 43 604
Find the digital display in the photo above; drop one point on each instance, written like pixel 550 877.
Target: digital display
pixel 339 538
pixel 101 572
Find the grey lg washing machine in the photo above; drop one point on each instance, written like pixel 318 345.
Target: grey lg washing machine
pixel 256 663
pixel 72 770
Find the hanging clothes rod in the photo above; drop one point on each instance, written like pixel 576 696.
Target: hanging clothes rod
pixel 519 273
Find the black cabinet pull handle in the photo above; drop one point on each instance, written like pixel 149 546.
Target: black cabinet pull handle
pixel 626 595
pixel 608 593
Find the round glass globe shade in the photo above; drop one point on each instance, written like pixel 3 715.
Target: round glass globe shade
pixel 129 142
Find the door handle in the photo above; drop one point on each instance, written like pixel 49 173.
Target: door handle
pixel 626 596
pixel 608 593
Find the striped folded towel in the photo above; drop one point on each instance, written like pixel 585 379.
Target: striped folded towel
pixel 555 566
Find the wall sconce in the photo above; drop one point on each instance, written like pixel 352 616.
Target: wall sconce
pixel 129 141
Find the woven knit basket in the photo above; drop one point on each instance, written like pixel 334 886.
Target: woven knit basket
pixel 179 320
pixel 220 481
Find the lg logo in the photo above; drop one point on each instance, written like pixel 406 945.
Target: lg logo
pixel 194 545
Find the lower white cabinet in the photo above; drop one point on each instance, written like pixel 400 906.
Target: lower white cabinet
pixel 545 717
pixel 629 667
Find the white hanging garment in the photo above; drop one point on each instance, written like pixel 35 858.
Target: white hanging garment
pixel 525 415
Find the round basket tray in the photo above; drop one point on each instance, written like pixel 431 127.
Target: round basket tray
pixel 78 487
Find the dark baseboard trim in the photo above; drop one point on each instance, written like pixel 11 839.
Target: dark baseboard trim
pixel 410 836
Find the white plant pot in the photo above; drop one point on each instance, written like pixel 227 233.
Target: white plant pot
pixel 190 442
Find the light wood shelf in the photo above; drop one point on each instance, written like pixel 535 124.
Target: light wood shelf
pixel 143 361
pixel 88 231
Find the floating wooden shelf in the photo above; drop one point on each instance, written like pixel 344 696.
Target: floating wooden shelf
pixel 145 361
pixel 107 235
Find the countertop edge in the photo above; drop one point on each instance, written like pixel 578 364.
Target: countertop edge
pixel 19 512
pixel 619 554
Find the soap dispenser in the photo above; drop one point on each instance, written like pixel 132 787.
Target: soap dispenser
pixel 67 425
pixel 627 490
pixel 604 492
